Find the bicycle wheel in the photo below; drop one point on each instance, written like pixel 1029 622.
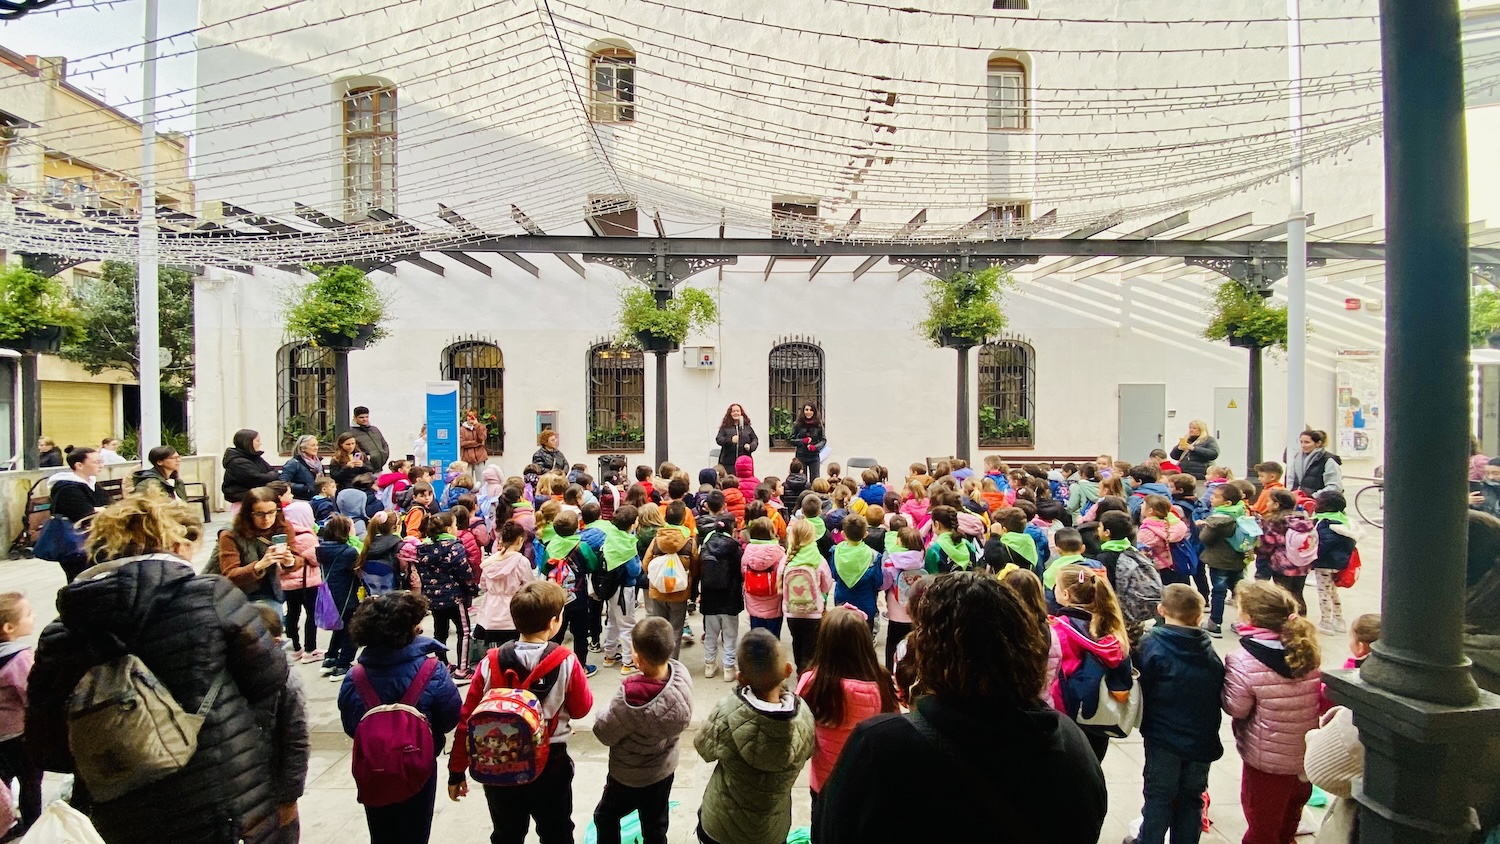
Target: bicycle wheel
pixel 1369 503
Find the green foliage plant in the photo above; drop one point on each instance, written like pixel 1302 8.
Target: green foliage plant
pixel 1238 314
pixel 966 306
pixel 31 302
pixel 690 309
pixel 339 301
pixel 106 335
pixel 1484 316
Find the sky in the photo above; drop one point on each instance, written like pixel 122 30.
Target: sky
pixel 102 41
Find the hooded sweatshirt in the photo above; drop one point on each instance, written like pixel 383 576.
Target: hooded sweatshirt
pixel 759 749
pixel 642 737
pixel 1158 535
pixel 1273 544
pixel 244 468
pixel 859 577
pixel 764 555
pixel 744 469
pixel 15 665
pixel 672 540
pixel 73 496
pixel 1076 689
pixel 900 563
pixel 1336 541
pixel 500 578
pixel 1082 494
pixel 351 503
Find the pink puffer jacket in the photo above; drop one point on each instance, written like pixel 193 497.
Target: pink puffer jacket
pixel 1272 714
pixel 861 701
pixel 764 556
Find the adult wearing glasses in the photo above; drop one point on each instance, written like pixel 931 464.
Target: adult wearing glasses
pixel 253 553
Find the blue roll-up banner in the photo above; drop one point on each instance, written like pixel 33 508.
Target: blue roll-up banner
pixel 442 429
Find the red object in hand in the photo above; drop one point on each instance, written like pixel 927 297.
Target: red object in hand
pixel 807 440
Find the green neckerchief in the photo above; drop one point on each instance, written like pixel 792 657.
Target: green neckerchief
pixel 1049 577
pixel 958 551
pixel 893 542
pixel 356 543
pixel 684 528
pixel 1236 509
pixel 807 556
pixel 561 546
pixel 619 546
pixel 546 534
pixel 1020 543
pixel 1331 517
pixel 523 504
pixel 1114 545
pixel 852 560
pixel 818 527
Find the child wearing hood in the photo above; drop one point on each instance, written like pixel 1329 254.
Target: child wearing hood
pixel 1089 625
pixel 744 471
pixel 1083 490
pixel 1146 480
pixel 338 561
pixel 761 564
pixel 1280 521
pixel 502 575
pixel 1336 547
pixel 904 564
pixel 1160 530
pixel 858 575
pixel 351 505
pixel 806 583
pixel 734 500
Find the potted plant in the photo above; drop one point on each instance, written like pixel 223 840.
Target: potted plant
pixel 34 311
pixel 340 309
pixel 963 310
pixel 1245 320
pixel 662 329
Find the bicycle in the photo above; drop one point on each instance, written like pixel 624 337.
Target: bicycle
pixel 1369 501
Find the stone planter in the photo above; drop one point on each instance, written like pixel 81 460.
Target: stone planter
pixel 656 345
pixel 42 341
pixel 359 340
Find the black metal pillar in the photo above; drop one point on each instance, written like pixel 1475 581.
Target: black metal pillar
pixel 962 449
pixel 31 410
pixel 342 421
pixel 1254 411
pixel 661 406
pixel 1419 713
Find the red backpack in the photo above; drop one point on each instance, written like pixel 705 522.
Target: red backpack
pixel 761 583
pixel 393 751
pixel 508 739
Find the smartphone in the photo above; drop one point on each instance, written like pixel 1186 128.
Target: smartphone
pixel 1476 486
pixel 278 539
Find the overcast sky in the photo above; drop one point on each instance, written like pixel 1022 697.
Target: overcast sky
pixel 82 30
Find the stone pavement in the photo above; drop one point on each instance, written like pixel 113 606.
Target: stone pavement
pixel 330 814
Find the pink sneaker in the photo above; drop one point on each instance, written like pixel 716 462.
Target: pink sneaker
pixel 312 656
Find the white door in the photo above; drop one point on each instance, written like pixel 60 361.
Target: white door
pixel 1143 420
pixel 1231 427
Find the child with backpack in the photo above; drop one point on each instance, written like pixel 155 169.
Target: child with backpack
pixel 422 505
pixel 380 567
pixel 448 582
pixel 641 726
pixel 337 560
pixel 1336 547
pixel 806 583
pixel 461 522
pixel 1271 688
pixel 721 591
pixel 761 563
pixel 671 572
pixel 1094 647
pixel 1037 529
pixel 904 564
pixel 1182 681
pixel 523 781
pixel 811 509
pixel 1160 530
pixel 565 565
pixel 1132 576
pixel 1225 547
pixel 1008 543
pixel 398 788
pixel 858 576
pixel 615 584
pixel 503 574
pixel 760 735
pixel 949 550
pixel 845 686
pixel 1288 545
pixel 17 622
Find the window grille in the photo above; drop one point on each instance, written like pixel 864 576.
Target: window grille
pixel 369 150
pixel 797 378
pixel 479 368
pixel 617 399
pixel 1013 5
pixel 613 75
pixel 1007 394
pixel 1003 220
pixel 306 396
pixel 1009 106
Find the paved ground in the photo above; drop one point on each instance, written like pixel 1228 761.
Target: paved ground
pixel 330 814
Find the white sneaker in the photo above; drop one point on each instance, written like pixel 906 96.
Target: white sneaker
pixel 709 670
pixel 729 674
pixel 1327 628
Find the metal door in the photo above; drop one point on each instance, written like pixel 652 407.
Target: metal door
pixel 1231 427
pixel 1143 420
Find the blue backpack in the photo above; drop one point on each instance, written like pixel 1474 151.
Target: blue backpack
pixel 1246 533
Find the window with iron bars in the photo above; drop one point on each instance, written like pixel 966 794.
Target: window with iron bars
pixel 613 78
pixel 797 378
pixel 306 396
pixel 479 368
pixel 1009 107
pixel 1007 394
pixel 369 150
pixel 617 399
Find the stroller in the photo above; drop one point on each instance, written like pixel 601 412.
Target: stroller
pixel 38 510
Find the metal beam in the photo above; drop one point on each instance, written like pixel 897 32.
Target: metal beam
pixel 469 261
pixel 525 222
pixel 430 266
pixel 456 220
pixel 817 265
pixel 913 224
pixel 316 217
pixel 1156 228
pixel 521 262
pixel 1099 228
pixel 572 264
pixel 770 265
pixel 848 227
pixel 661 230
pixel 866 265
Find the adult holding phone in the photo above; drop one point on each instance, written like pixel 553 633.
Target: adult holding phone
pixel 253 553
pixel 348 461
pixel 808 437
pixel 1196 450
pixel 735 437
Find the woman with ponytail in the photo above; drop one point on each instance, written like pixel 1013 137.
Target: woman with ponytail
pixel 1091 637
pixel 1271 689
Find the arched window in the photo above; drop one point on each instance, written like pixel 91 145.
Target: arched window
pixel 1009 99
pixel 369 149
pixel 617 398
pixel 305 396
pixel 1007 394
pixel 612 75
pixel 796 379
pixel 479 368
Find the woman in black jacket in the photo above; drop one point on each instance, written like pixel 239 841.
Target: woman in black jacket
pixel 735 437
pixel 49 456
pixel 302 469
pixel 347 462
pixel 161 475
pixel 807 436
pixel 244 468
pixel 189 631
pixel 1196 451
pixel 548 457
pixel 74 496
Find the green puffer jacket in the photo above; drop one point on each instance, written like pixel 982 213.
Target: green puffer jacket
pixel 760 753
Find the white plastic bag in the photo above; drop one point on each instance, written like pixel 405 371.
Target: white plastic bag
pixel 62 824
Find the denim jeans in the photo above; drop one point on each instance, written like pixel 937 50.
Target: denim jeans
pixel 1224 582
pixel 1173 790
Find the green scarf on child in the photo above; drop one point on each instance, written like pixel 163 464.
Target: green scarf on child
pixel 852 559
pixel 1049 577
pixel 561 546
pixel 619 546
pixel 893 542
pixel 546 533
pixel 1115 545
pixel 1331 517
pixel 807 556
pixel 818 527
pixel 958 550
pixel 1234 510
pixel 1020 543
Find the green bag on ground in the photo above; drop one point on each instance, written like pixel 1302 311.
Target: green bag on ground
pixel 1319 798
pixel 799 835
pixel 630 828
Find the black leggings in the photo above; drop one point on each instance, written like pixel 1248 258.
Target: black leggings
pixel 804 640
pixel 576 618
pixel 895 631
pixel 15 765
pixel 458 616
pixel 296 601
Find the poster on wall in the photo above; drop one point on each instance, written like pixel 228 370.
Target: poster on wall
pixel 442 429
pixel 1360 403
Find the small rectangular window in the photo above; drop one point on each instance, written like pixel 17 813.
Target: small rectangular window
pixel 1006 219
pixel 613 73
pixel 1014 5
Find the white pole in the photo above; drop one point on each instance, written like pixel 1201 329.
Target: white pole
pixel 1296 246
pixel 148 308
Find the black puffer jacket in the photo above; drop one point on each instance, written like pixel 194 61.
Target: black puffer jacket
pixel 187 630
pixel 244 468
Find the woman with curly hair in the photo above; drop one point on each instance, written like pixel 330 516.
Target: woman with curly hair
pixel 735 437
pixel 981 657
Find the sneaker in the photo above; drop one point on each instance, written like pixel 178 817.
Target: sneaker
pixel 590 670
pixel 1327 628
pixel 611 661
pixel 326 669
pixel 296 654
pixel 1340 626
pixel 312 656
pixel 687 634
pixel 462 678
pixel 596 647
pixel 692 607
pixel 336 675
pixel 710 670
pixel 1214 630
pixel 627 669
pixel 729 674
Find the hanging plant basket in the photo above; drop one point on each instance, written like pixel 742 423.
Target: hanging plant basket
pixel 656 345
pixel 1240 341
pixel 948 339
pixel 43 341
pixel 361 338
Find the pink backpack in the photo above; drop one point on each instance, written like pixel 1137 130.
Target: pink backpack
pixel 1302 546
pixel 393 751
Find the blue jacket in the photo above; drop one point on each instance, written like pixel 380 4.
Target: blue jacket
pixel 1335 545
pixel 1182 681
pixel 391 672
pixel 296 472
pixel 337 560
pixel 864 591
pixel 873 494
pixel 322 508
pixel 1039 536
pixel 1138 497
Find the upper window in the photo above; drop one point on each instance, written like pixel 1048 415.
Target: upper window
pixel 1007 394
pixel 1011 4
pixel 617 398
pixel 789 218
pixel 479 368
pixel 796 379
pixel 613 215
pixel 369 150
pixel 306 395
pixel 612 71
pixel 1009 104
pixel 1006 219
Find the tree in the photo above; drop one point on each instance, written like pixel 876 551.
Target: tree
pixel 1484 316
pixel 106 336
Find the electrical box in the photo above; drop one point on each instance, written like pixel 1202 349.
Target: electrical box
pixel 546 420
pixel 700 357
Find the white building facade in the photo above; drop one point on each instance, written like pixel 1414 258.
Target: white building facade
pixel 1040 121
